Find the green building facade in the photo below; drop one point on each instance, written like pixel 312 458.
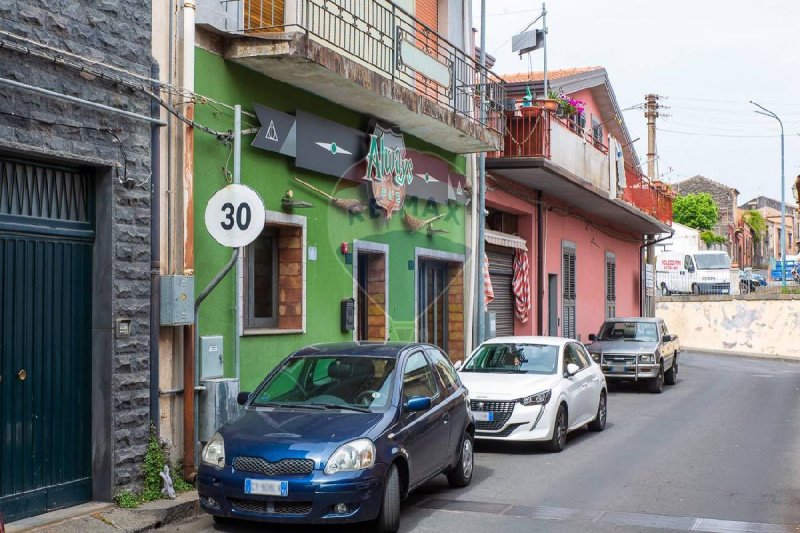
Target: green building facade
pixel 405 273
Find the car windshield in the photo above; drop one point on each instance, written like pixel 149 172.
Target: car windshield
pixel 629 331
pixel 355 383
pixel 514 358
pixel 712 261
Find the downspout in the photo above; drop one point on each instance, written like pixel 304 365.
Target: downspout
pixel 190 374
pixel 540 262
pixel 481 333
pixel 642 283
pixel 155 253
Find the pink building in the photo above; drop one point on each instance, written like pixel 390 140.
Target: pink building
pixel 557 191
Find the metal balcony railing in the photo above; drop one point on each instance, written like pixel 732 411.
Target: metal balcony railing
pixel 528 133
pixel 384 38
pixel 641 193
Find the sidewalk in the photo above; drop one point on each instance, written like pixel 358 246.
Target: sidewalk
pixel 99 517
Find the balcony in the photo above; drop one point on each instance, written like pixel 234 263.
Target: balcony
pixel 370 56
pixel 553 154
pixel 640 192
pixel 559 144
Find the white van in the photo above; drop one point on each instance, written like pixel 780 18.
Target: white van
pixel 693 272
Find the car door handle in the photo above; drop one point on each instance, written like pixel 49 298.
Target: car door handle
pixel 595 379
pixel 446 418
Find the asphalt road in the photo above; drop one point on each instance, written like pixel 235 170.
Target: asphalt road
pixel 718 452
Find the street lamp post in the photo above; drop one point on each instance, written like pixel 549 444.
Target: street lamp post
pixel 767 112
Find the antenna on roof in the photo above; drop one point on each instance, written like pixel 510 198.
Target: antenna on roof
pixel 529 40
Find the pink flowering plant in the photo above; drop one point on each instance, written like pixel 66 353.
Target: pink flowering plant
pixel 567 105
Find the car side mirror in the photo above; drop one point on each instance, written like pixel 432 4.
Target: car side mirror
pixel 666 338
pixel 572 369
pixel 690 269
pixel 458 364
pixel 418 403
pixel 592 337
pixel 242 398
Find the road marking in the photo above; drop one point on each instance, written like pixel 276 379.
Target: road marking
pixel 679 523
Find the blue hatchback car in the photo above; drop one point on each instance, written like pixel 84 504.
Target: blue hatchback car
pixel 340 433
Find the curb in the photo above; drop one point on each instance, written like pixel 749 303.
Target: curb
pixel 741 355
pixel 147 517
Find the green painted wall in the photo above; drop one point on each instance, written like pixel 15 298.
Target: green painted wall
pixel 328 279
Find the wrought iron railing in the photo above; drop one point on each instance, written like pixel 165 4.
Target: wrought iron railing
pixel 640 192
pixel 528 130
pixel 387 39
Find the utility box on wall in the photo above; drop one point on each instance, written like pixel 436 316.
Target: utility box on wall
pixel 216 405
pixel 177 300
pixel 212 360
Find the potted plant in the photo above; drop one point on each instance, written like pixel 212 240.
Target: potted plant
pixel 550 103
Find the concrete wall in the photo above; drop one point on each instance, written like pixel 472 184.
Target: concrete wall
pixel 578 156
pixel 745 325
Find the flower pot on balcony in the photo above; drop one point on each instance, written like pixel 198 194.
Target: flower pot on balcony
pixel 530 111
pixel 551 104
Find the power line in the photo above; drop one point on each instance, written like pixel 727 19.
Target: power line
pixel 703 134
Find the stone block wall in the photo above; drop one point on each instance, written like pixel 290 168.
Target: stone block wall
pixel 36 126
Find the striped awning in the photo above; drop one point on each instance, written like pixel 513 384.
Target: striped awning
pixel 504 239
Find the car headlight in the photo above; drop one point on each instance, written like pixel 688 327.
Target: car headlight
pixel 595 356
pixel 214 452
pixel 540 398
pixel 356 455
pixel 646 358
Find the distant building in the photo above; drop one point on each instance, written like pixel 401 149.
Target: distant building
pixel 726 199
pixel 769 245
pixel 685 239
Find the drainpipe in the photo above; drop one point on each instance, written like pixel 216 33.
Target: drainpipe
pixel 237 283
pixel 155 253
pixel 481 333
pixel 189 332
pixel 540 262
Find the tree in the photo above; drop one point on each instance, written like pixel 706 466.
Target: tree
pixel 697 211
pixel 756 220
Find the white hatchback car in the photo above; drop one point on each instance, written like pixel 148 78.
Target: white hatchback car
pixel 534 389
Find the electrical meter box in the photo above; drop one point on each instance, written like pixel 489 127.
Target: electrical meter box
pixel 177 300
pixel 211 357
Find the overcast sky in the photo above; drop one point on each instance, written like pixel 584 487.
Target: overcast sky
pixel 707 57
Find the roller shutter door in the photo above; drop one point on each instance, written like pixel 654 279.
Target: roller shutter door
pixel 501 270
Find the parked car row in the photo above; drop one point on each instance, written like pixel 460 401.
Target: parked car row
pixel 341 433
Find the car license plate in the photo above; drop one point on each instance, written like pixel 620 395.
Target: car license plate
pixel 266 487
pixel 483 416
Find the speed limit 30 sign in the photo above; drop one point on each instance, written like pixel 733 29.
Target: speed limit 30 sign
pixel 235 215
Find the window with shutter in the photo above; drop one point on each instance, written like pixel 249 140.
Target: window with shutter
pixel 569 328
pixel 597 131
pixel 611 285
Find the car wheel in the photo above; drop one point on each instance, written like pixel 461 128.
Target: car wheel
pixel 664 290
pixel 388 520
pixel 559 438
pixel 599 423
pixel 461 474
pixel 657 385
pixel 671 376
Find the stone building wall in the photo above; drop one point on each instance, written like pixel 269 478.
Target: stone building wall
pixel 40 127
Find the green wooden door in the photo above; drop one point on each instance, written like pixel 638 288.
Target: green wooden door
pixel 45 337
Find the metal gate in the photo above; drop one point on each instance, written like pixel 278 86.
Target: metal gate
pixel 570 296
pixel 46 234
pixel 501 271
